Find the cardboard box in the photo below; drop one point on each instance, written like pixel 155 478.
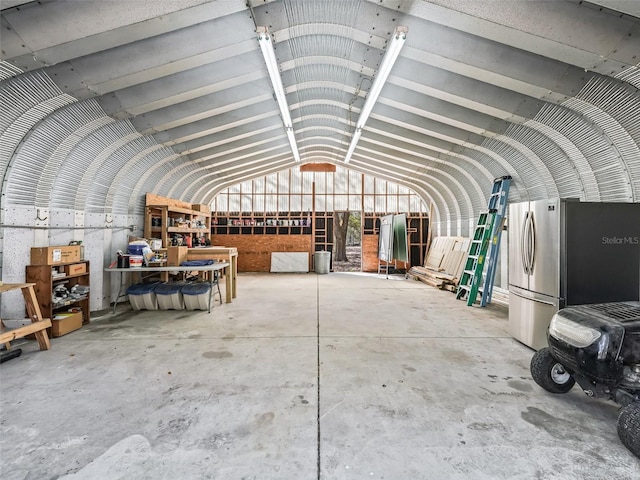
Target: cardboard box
pixel 63 323
pixel 55 255
pixel 75 268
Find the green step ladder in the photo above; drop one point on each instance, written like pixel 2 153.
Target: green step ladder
pixel 498 202
pixel 474 265
pixel 486 237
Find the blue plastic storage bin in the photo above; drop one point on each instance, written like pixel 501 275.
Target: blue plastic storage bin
pixel 136 249
pixel 196 295
pixel 142 296
pixel 169 295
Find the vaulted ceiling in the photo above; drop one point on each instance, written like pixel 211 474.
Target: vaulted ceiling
pixel 103 101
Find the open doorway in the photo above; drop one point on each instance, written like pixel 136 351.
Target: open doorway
pixel 347 241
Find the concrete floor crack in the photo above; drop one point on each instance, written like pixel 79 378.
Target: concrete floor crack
pixel 318 367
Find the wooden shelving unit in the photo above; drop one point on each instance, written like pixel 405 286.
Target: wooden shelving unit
pixel 276 223
pixel 269 223
pixel 258 234
pixel 323 233
pixel 167 222
pixel 45 283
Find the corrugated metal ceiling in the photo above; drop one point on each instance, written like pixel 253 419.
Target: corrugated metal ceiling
pixel 174 97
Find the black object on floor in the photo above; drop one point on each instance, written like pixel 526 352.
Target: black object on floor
pixel 6 356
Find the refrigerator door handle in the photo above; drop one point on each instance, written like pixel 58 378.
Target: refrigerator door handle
pixel 532 243
pixel 523 243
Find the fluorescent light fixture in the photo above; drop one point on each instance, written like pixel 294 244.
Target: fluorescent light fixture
pixel 264 40
pixel 393 50
pixel 352 145
pixel 292 142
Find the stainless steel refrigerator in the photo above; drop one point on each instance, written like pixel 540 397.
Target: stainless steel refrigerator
pixel 566 252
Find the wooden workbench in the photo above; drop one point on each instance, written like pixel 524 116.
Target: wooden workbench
pixel 38 325
pixel 225 254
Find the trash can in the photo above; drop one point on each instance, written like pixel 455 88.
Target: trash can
pixel 322 262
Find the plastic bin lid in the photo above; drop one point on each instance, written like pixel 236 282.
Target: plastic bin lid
pixel 141 288
pixel 196 288
pixel 136 249
pixel 169 288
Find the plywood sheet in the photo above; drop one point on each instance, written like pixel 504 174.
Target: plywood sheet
pixel 447 254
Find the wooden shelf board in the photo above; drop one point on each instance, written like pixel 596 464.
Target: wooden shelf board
pixel 171 209
pixel 66 277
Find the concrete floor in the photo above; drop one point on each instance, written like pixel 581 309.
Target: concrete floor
pixel 412 385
